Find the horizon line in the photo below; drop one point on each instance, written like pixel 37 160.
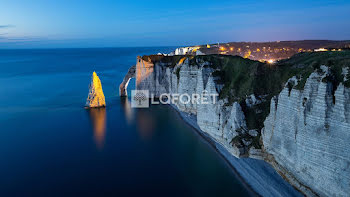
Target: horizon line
pixel 102 47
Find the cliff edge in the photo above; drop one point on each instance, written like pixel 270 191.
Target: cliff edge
pixel 293 114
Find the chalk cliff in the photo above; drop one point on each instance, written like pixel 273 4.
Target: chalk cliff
pixel 126 80
pixel 294 115
pixel 96 97
pixel 308 133
pixel 224 121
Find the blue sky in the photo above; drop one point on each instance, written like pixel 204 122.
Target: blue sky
pixel 114 23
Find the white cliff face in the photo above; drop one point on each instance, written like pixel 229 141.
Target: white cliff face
pixel 218 120
pixel 155 78
pixel 305 136
pixel 308 133
pixel 221 121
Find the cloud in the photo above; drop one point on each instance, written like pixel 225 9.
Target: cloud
pixel 6 26
pixel 3 34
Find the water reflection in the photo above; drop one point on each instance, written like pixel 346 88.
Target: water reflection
pixel 146 123
pixel 145 120
pixel 129 112
pixel 98 119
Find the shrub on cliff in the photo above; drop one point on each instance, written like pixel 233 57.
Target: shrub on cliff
pixel 242 77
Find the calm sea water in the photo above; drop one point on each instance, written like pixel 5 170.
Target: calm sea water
pixel 51 146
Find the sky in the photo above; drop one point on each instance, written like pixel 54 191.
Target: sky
pixel 127 23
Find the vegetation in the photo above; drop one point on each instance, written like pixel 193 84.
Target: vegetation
pixel 178 73
pixel 243 77
pixel 243 135
pixel 306 63
pixel 171 61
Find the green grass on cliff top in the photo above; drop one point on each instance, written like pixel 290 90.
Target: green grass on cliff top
pixel 243 77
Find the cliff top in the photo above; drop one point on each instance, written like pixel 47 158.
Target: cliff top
pixel 169 60
pixel 242 77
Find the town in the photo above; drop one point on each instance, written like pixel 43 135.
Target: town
pixel 265 51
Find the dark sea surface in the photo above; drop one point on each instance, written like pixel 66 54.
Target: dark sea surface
pixel 51 146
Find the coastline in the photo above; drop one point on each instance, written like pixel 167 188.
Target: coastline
pixel 258 176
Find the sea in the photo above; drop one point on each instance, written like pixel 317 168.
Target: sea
pixel 50 145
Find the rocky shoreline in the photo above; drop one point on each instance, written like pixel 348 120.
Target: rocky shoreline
pixel 257 175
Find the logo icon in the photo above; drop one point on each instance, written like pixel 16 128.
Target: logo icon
pixel 140 98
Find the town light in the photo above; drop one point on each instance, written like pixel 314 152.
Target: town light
pixel 320 49
pixel 271 61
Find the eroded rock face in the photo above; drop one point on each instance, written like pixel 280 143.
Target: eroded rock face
pixel 308 133
pixel 124 85
pixel 221 121
pixel 155 78
pixel 218 120
pixel 306 136
pixel 96 97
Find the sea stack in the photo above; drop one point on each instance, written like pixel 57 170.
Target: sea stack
pixel 96 98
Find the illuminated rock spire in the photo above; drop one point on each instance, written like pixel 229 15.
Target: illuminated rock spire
pixel 96 97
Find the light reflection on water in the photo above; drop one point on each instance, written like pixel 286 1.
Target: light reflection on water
pixel 128 111
pixel 144 118
pixel 146 124
pixel 34 162
pixel 98 120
